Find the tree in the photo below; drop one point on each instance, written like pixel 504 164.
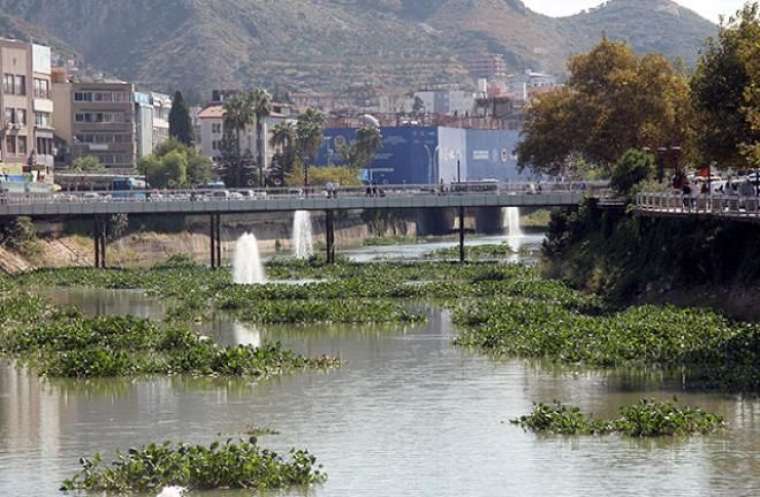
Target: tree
pixel 722 90
pixel 634 167
pixel 261 102
pixel 418 107
pixel 238 115
pixel 180 123
pixel 283 141
pixel 750 54
pixel 309 133
pixel 175 165
pixel 613 101
pixel 89 164
pixel 361 152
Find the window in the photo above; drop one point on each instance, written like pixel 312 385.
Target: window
pixel 101 117
pixel 20 85
pixel 82 96
pixel 41 88
pixel 10 115
pixel 10 145
pixel 216 128
pixel 21 144
pixel 44 146
pixel 42 119
pixel 216 145
pixel 21 117
pixel 9 84
pixel 103 96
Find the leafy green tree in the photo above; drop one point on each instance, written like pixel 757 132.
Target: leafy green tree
pixel 361 152
pixel 175 165
pixel 613 101
pixel 309 134
pixel 238 115
pixel 180 123
pixel 88 164
pixel 633 167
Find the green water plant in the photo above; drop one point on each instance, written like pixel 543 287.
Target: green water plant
pixel 227 465
pixel 647 418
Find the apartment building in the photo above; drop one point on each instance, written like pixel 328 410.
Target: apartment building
pixel 26 132
pixel 98 119
pixel 151 121
pixel 486 65
pixel 211 124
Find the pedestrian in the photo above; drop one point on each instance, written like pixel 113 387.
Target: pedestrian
pixel 686 190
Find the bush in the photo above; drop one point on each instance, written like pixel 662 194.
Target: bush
pixel 634 167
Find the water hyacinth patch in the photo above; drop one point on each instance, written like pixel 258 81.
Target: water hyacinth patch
pixel 62 343
pixel 647 418
pixel 229 465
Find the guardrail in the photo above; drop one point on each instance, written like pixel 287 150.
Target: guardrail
pixel 733 206
pixel 263 194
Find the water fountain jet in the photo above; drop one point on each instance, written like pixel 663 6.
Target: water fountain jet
pixel 303 239
pixel 511 224
pixel 247 268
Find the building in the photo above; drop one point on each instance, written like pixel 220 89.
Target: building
pixel 486 66
pixel 447 102
pixel 151 121
pixel 429 155
pixel 211 124
pixel 26 132
pixel 98 119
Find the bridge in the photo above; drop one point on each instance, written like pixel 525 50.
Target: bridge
pixel 98 206
pixel 701 206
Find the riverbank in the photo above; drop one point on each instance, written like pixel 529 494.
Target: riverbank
pixel 630 259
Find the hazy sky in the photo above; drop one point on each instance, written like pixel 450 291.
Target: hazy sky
pixel 710 9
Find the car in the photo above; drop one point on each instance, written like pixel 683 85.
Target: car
pixel 236 196
pixel 219 195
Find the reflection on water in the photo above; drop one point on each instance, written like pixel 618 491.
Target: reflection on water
pixel 526 248
pixel 409 415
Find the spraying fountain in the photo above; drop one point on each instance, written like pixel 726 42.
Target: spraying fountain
pixel 246 265
pixel 511 224
pixel 303 241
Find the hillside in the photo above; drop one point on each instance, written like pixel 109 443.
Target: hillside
pixel 332 44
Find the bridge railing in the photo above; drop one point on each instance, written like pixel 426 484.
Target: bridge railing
pixel 263 194
pixel 712 204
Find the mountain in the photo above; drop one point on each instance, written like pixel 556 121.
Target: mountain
pixel 330 45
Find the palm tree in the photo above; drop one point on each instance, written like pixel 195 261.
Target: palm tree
pixel 309 133
pixel 283 140
pixel 238 115
pixel 261 103
pixel 368 142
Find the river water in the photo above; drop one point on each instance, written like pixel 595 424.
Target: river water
pixel 408 415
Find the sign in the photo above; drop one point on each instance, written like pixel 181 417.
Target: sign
pixel 481 155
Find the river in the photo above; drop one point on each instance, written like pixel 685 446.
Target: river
pixel 408 415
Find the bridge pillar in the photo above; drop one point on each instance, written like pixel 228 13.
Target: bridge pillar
pixel 461 236
pixel 330 236
pixel 212 239
pixel 99 239
pixel 218 240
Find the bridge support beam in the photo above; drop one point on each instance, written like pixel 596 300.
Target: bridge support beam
pixel 461 236
pixel 330 236
pixel 215 237
pixel 99 238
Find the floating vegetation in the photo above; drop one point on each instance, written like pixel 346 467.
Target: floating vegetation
pixel 260 431
pixel 229 465
pixel 647 418
pixel 62 343
pixel 475 252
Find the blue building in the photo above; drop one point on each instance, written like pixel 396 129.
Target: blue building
pixel 427 155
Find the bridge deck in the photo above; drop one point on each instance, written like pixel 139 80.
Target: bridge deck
pixel 81 206
pixel 673 205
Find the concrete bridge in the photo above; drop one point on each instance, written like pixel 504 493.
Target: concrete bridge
pixel 98 206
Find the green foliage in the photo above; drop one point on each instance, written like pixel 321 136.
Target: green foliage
pixel 320 176
pixel 648 418
pixel 228 465
pixel 19 234
pixel 614 101
pixel 175 165
pixel 722 89
pixel 634 167
pixel 180 123
pixel 283 140
pixel 477 252
pixel 88 164
pixel 309 133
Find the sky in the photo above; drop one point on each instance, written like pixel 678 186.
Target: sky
pixel 710 9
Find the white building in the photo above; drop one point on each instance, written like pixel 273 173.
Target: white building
pixel 151 121
pixel 211 124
